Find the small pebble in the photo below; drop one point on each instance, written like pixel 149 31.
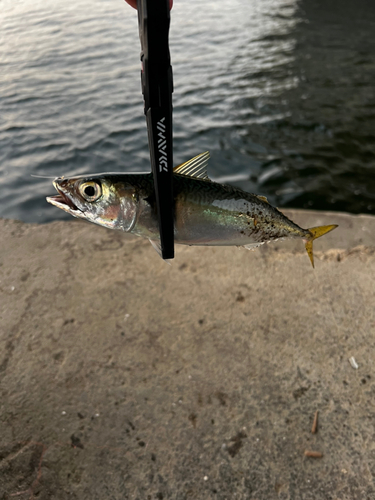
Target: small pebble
pixel 353 363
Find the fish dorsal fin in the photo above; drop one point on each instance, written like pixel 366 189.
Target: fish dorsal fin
pixel 263 198
pixel 196 167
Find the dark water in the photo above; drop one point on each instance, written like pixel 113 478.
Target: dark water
pixel 281 93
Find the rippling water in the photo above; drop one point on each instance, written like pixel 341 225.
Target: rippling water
pixel 280 91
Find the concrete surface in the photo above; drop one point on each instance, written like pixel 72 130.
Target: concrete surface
pixel 124 378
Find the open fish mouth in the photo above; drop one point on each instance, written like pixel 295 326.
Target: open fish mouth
pixel 61 200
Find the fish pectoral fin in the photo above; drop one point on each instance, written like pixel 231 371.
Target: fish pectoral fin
pixel 196 167
pixel 156 246
pixel 316 232
pixel 253 246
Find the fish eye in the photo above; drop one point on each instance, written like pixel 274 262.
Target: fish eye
pixel 91 191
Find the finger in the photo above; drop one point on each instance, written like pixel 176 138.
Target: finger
pixel 133 3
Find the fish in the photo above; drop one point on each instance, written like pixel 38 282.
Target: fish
pixel 205 212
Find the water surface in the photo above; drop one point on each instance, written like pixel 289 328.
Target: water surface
pixel 281 92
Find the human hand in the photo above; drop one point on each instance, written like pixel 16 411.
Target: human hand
pixel 133 3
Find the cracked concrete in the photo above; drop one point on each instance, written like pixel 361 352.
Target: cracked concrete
pixel 122 377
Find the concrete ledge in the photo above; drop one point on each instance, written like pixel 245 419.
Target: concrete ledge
pixel 124 378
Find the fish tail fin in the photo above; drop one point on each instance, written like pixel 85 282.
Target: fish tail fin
pixel 316 232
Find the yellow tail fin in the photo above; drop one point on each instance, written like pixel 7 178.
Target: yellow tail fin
pixel 316 232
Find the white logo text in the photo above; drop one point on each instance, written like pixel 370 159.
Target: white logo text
pixel 162 145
